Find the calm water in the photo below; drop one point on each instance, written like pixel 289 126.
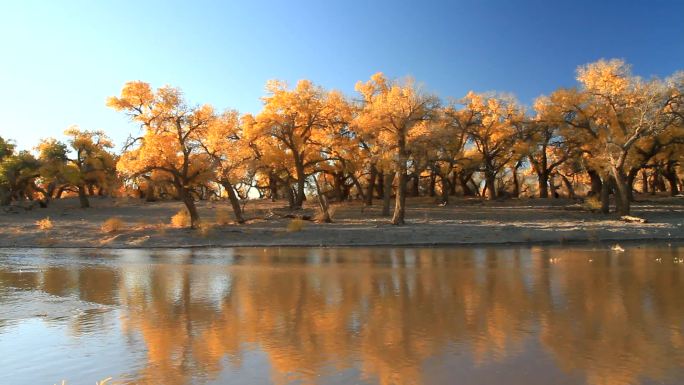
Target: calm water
pixel 343 316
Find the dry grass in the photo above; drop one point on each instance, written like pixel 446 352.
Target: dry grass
pixel 223 216
pixel 44 224
pixel 112 225
pixel 295 225
pixel 181 219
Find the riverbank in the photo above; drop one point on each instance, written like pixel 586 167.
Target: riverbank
pixel 463 222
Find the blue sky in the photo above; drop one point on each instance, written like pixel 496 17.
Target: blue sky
pixel 62 59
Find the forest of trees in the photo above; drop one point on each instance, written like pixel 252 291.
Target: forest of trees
pixel 612 134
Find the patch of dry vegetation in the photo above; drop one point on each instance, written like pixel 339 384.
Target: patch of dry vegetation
pixel 295 225
pixel 112 225
pixel 592 204
pixel 45 224
pixel 181 219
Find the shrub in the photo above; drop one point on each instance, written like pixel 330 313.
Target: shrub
pixel 181 219
pixel 112 225
pixel 44 224
pixel 320 214
pixel 295 225
pixel 592 204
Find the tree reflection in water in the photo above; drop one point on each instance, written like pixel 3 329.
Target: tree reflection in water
pixel 381 314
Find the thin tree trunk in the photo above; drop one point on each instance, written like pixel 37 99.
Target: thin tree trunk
pixel 552 186
pixel 445 190
pixel 290 196
pixel 371 185
pixel 358 187
pixel 234 202
pixel 631 177
pixel 431 186
pixel 568 186
pixel 322 202
pixel 400 201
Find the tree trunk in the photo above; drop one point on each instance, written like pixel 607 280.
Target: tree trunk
pixel 82 196
pixel 234 202
pixel 380 186
pixel 596 183
pixel 631 177
pixel 543 180
pixel 605 196
pixel 301 181
pixel 415 181
pixel 552 185
pixel 568 186
pixel 273 186
pixel 445 190
pixel 371 185
pixel 490 185
pixel 644 181
pixel 149 192
pixel 387 193
pixel 467 191
pixel 400 201
pixel 359 188
pixel 622 201
pixel 516 182
pixel 290 197
pixel 322 202
pixel 671 175
pixel 431 186
pixel 455 177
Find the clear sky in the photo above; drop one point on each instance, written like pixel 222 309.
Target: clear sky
pixel 60 60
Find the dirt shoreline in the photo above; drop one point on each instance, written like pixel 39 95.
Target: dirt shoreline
pixel 465 222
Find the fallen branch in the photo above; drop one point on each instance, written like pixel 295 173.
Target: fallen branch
pixel 631 219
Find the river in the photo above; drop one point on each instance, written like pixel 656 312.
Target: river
pixel 509 315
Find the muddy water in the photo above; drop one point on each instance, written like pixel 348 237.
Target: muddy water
pixel 512 316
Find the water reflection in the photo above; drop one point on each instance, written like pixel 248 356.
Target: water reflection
pixel 385 316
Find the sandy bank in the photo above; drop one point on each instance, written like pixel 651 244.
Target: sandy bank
pixel 464 222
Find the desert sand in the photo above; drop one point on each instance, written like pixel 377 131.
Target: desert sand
pixel 463 222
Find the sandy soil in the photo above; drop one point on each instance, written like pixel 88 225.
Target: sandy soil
pixel 464 221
